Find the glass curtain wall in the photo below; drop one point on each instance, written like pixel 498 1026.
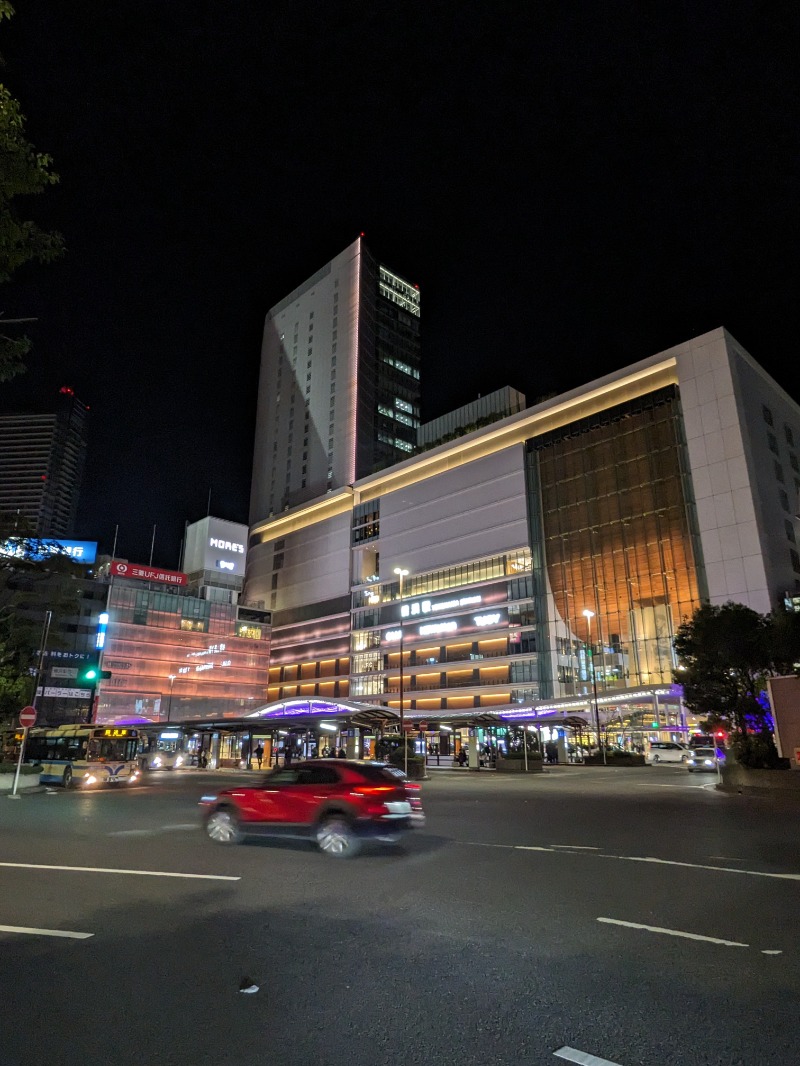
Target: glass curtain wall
pixel 613 533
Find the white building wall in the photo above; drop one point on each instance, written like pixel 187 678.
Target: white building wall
pixel 316 566
pixel 745 550
pixel 472 511
pixel 322 314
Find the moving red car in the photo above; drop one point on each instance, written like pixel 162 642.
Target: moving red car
pixel 335 802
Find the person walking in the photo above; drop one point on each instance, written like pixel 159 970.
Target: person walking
pixel 259 755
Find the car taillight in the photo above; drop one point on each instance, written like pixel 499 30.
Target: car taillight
pixel 372 790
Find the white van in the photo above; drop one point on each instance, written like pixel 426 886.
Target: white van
pixel 666 751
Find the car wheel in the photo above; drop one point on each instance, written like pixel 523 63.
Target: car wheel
pixel 222 826
pixel 656 758
pixel 335 837
pixel 66 780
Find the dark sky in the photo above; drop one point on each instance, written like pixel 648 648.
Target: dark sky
pixel 574 186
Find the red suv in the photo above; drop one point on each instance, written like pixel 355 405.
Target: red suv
pixel 335 802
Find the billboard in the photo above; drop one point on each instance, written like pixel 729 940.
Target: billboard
pixel 217 545
pixel 148 573
pixel 81 551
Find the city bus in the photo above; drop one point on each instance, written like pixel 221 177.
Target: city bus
pixel 84 756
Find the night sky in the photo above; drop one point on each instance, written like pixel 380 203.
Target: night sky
pixel 574 187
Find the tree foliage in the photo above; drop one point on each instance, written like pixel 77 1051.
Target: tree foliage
pixel 725 655
pixel 23 172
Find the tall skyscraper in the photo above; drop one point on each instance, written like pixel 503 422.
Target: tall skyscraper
pixel 41 465
pixel 339 387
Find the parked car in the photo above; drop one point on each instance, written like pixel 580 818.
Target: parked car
pixel 337 803
pixel 705 759
pixel 666 751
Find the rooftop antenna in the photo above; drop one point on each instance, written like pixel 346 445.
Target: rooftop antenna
pixel 208 508
pixel 152 545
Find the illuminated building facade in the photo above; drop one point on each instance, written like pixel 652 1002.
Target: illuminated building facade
pixel 174 656
pixel 553 550
pixel 339 384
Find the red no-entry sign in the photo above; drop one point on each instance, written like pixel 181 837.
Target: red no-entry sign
pixel 27 717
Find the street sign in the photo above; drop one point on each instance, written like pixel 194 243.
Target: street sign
pixel 27 717
pixel 423 726
pixel 409 729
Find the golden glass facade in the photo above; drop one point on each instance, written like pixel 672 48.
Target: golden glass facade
pixel 613 533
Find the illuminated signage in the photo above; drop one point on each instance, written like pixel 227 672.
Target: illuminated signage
pixel 437 627
pixel 102 626
pixel 391 635
pixel 226 545
pixel 148 573
pixel 487 619
pixel 226 564
pixel 81 551
pixel 116 732
pixel 426 607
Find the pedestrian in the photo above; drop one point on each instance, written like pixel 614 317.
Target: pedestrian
pixel 202 759
pixel 259 755
pixel 287 758
pixel 342 754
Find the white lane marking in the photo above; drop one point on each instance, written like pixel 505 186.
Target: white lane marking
pixel 771 952
pixel 182 827
pixel 571 1054
pixel 105 870
pixel 725 858
pixel 701 866
pixel 674 932
pixel 575 847
pixel 44 932
pixel 641 858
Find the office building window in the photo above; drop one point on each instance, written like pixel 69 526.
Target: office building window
pixel 767 415
pixel 772 441
pixel 795 560
pixel 793 462
pixel 784 499
pixel 789 435
pixel 790 530
pixel 778 471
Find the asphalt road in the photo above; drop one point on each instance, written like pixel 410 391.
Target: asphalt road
pixel 491 938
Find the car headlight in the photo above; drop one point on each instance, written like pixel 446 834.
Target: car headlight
pixel 179 761
pixel 89 779
pixel 156 761
pixel 708 762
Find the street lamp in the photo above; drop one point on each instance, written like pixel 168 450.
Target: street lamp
pixel 589 615
pixel 401 573
pixel 169 702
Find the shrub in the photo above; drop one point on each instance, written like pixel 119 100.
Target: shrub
pixel 26 768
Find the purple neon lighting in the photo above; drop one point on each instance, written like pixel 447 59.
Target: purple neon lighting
pixel 298 707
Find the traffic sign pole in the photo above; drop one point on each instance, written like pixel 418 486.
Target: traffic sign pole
pixel 27 718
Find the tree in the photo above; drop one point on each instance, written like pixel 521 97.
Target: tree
pixel 23 172
pixel 725 655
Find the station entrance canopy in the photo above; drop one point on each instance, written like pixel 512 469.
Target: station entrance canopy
pixel 306 714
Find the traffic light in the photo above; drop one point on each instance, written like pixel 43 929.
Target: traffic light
pixel 89 674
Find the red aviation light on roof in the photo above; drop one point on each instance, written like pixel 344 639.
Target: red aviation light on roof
pixel 65 390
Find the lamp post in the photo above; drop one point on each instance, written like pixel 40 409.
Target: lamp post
pixel 589 615
pixel 169 702
pixel 401 573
